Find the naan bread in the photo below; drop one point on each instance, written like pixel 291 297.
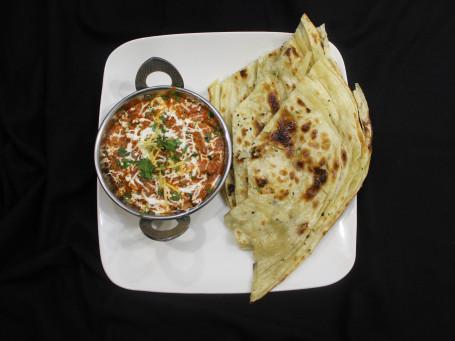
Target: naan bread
pixel 302 148
pixel 295 159
pixel 246 92
pixel 227 95
pixel 248 121
pixel 308 162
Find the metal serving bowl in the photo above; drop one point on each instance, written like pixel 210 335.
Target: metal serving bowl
pixel 146 93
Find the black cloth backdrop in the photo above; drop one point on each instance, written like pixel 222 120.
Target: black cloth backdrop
pixel 52 283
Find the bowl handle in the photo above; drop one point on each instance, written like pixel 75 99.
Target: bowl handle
pixel 155 64
pixel 164 235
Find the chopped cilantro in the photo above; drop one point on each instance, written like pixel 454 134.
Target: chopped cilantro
pixel 175 158
pixel 168 144
pixel 209 190
pixel 146 168
pixel 126 163
pixel 122 151
pixel 176 96
pixel 175 196
pixel 218 132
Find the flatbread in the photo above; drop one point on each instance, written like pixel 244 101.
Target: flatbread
pixel 312 157
pixel 285 62
pixel 248 120
pixel 302 143
pixel 246 91
pixel 294 160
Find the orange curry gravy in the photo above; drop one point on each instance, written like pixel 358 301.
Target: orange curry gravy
pixel 165 154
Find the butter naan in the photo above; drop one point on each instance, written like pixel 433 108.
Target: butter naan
pixel 302 148
pixel 247 93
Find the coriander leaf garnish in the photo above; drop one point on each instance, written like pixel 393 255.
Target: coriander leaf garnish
pixel 175 158
pixel 126 163
pixel 175 196
pixel 168 144
pixel 146 168
pixel 122 151
pixel 176 96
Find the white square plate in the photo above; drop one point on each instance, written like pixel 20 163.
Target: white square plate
pixel 206 259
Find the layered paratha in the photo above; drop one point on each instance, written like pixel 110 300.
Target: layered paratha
pixel 297 162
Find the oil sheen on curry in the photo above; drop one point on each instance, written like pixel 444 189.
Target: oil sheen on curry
pixel 165 154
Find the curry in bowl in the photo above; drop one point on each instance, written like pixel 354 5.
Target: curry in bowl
pixel 165 154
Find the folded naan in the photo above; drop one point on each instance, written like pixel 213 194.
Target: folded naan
pixel 301 151
pixel 248 121
pixel 307 165
pixel 246 92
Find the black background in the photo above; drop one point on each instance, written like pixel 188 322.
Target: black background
pixel 52 283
